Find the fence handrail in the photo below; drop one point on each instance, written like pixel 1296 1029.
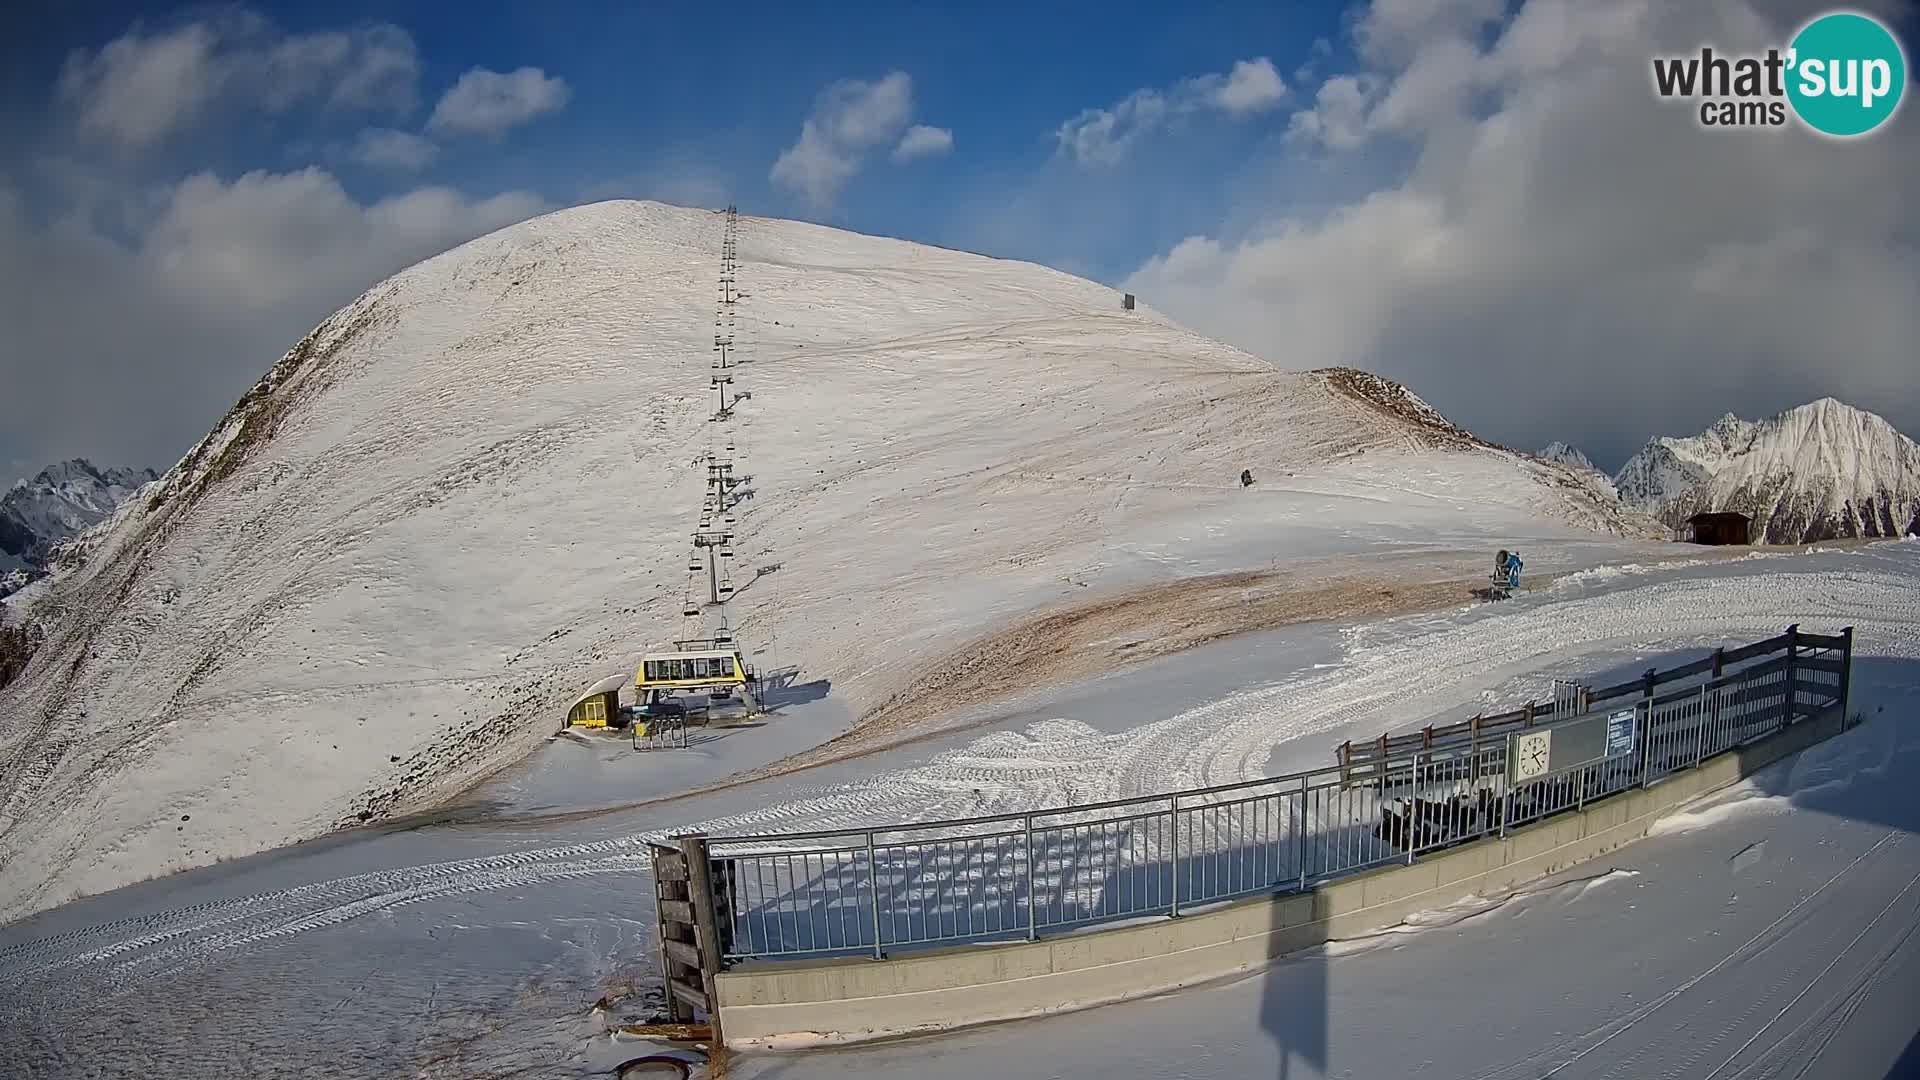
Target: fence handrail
pixel 1418 742
pixel 1040 872
pixel 1367 754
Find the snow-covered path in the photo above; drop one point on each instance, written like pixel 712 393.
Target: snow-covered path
pixel 1769 933
pixel 484 946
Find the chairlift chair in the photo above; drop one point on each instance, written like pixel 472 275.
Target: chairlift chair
pixel 690 610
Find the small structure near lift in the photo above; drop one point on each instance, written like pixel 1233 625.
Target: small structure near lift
pixel 1126 301
pixel 696 665
pixel 599 706
pixel 1721 528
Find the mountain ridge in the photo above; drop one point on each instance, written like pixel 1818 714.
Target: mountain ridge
pixel 56 505
pixel 469 492
pixel 1819 471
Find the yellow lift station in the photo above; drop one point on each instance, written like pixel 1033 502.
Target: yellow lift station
pixel 719 667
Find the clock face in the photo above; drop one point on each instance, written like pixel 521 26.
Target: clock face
pixel 1531 753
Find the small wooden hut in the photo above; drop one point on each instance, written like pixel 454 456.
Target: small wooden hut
pixel 599 706
pixel 1721 528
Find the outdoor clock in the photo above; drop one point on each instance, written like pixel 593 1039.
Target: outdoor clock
pixel 1531 754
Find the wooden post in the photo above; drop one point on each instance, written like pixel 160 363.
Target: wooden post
pixel 1527 717
pixel 673 908
pixel 1646 739
pixel 706 929
pixel 1713 707
pixel 1793 649
pixel 1846 672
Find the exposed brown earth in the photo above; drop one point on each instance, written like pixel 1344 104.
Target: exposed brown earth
pixel 1110 632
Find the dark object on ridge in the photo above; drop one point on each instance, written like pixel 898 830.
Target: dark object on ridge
pixel 1721 528
pixel 1246 477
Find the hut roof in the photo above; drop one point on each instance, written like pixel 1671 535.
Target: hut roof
pixel 611 682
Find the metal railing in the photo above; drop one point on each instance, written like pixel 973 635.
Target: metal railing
pixel 1024 875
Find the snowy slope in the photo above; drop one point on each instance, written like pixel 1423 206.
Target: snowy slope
pixel 468 494
pixel 478 949
pixel 1561 454
pixel 1816 472
pixel 59 503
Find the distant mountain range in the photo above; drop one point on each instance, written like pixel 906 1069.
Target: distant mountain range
pixel 61 502
pixel 1822 471
pixel 1575 460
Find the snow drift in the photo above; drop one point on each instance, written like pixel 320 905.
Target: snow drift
pixel 468 493
pixel 1822 471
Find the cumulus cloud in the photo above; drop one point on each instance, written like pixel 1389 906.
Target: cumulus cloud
pixel 1552 252
pixel 1105 136
pixel 143 87
pixel 848 120
pixel 402 151
pixel 1251 85
pixel 188 302
pixel 491 102
pixel 1316 55
pixel 923 141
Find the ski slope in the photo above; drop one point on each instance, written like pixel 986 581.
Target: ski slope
pixel 468 494
pixel 456 950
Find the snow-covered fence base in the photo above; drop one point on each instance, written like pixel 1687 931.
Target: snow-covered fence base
pixel 1016 877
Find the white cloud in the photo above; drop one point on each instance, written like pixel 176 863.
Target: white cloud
pixel 1339 114
pixel 923 141
pixel 1106 136
pixel 849 118
pixel 402 151
pixel 1322 48
pixel 1251 85
pixel 206 287
pixel 1552 252
pixel 490 102
pixel 143 87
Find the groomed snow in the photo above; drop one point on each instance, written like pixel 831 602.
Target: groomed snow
pixel 467 496
pixel 455 951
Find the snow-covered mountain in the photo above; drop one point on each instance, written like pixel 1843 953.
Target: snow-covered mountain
pixel 1562 454
pixel 61 502
pixel 469 493
pixel 1817 472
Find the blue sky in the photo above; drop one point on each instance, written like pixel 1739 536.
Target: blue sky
pixel 1481 198
pixel 667 99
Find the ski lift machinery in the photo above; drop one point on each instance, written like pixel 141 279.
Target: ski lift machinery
pixel 697 664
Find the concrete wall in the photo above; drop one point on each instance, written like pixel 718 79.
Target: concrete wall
pixel 788 1003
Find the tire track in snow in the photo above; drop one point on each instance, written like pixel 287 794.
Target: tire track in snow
pixel 1052 762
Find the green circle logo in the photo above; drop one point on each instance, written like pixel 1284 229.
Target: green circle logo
pixel 1846 74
